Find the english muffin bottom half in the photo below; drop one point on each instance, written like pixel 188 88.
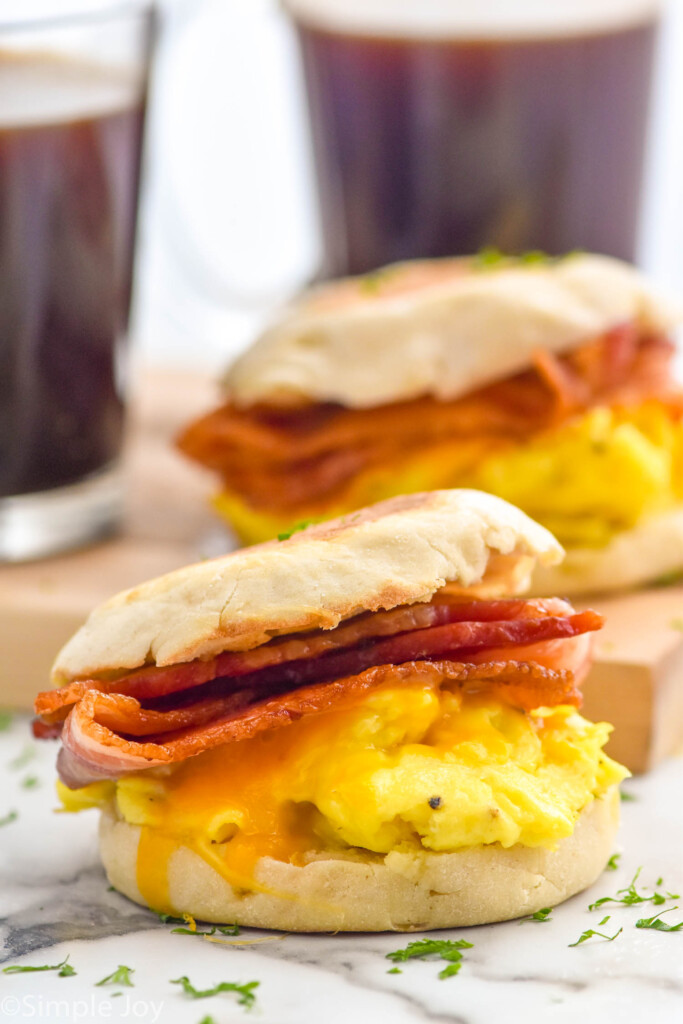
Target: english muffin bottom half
pixel 362 727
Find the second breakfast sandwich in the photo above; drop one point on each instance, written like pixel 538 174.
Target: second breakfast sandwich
pixel 546 382
pixel 361 727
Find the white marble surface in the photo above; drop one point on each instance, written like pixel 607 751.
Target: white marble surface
pixel 54 902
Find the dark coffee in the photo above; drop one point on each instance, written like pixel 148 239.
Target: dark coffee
pixel 430 147
pixel 70 140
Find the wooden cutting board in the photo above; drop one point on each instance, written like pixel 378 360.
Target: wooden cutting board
pixel 636 682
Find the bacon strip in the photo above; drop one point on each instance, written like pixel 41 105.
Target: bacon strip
pixel 306 458
pixel 530 653
pixel 92 750
pixel 475 624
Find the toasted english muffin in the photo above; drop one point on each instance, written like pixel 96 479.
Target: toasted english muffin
pixel 363 726
pixel 438 327
pixel 396 552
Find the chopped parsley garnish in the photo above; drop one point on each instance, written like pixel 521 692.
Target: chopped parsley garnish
pixel 9 818
pixel 64 969
pixel 246 991
pixel 5 721
pixel 295 529
pixel 491 258
pixel 613 863
pixel 27 755
pixel 541 915
pixel 627 798
pixel 657 923
pixel 604 920
pixel 168 918
pixel 30 782
pixel 121 976
pixel 590 933
pixel 445 949
pixel 370 284
pixel 629 895
pixel 233 929
pixel 207 1020
pixel 534 257
pixel 394 970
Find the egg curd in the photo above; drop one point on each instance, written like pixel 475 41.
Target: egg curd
pixel 593 477
pixel 415 765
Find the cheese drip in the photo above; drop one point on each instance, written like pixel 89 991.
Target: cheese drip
pixel 415 766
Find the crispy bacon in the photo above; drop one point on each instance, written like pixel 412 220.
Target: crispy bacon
pixel 306 458
pixel 530 653
pixel 93 750
pixel 350 647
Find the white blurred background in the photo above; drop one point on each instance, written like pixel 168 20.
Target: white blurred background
pixel 229 220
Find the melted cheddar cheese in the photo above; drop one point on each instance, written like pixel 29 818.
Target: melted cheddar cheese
pixel 411 766
pixel 585 481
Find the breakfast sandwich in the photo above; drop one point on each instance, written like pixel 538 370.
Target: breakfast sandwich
pixel 546 382
pixel 361 727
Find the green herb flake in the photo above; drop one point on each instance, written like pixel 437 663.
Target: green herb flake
pixel 370 284
pixel 489 258
pixel 208 1020
pixel 394 970
pixel 585 936
pixel 246 991
pixel 613 863
pixel 295 529
pixel 444 949
pixel 604 920
pixel 121 976
pixel 25 757
pixel 657 923
pixel 534 257
pixel 30 782
pixel 627 798
pixel 233 929
pixel 9 818
pixel 5 721
pixel 629 895
pixel 451 970
pixel 541 915
pixel 168 918
pixel 64 969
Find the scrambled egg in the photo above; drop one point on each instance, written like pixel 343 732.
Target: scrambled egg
pixel 594 477
pixel 585 481
pixel 416 765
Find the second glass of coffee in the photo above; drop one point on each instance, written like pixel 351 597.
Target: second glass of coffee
pixel 441 126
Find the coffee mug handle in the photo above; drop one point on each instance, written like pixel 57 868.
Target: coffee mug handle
pixel 239 212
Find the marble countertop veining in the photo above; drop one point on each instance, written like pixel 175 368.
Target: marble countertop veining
pixel 54 902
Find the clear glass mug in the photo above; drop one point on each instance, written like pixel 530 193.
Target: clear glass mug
pixel 73 82
pixel 433 127
pixel 441 126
